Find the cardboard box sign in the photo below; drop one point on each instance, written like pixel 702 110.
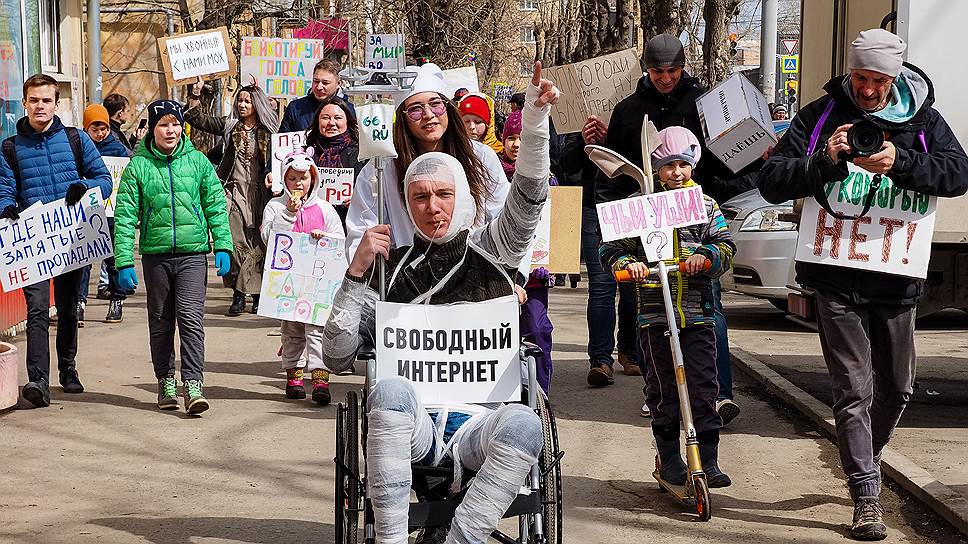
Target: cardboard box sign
pixel 736 122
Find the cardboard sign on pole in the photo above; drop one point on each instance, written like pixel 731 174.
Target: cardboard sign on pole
pixel 592 87
pixel 205 55
pixel 282 67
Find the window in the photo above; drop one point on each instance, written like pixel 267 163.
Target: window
pixel 527 34
pixel 50 49
pixel 527 68
pixel 528 5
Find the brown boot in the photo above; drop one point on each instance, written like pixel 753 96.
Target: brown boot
pixel 600 375
pixel 629 366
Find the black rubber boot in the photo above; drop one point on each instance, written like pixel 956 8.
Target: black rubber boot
pixel 672 468
pixel 238 303
pixel 709 455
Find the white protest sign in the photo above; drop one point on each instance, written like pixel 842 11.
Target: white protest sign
pixel 541 245
pixel 282 67
pixel 376 130
pixel 282 144
pixel 465 77
pixel 336 184
pixel 652 218
pixel 894 237
pixel 206 54
pixel 301 277
pixel 384 51
pixel 592 87
pixel 452 352
pixel 50 239
pixel 116 166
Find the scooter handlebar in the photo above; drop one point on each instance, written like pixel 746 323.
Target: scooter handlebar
pixel 625 275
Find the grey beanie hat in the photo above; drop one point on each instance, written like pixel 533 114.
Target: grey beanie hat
pixel 877 50
pixel 663 51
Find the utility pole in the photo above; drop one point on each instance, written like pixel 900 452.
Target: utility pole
pixel 93 51
pixel 768 49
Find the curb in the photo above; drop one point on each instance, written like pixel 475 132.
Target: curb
pixel 942 499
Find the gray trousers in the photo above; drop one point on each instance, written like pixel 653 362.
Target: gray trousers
pixel 869 351
pixel 176 295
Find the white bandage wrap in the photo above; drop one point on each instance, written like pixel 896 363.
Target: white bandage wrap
pixel 388 474
pixel 534 159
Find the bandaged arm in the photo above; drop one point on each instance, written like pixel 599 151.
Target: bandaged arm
pixel 350 324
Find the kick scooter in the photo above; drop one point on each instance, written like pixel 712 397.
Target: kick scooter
pixel 696 491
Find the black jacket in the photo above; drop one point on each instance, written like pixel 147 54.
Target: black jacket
pixel 577 168
pixel 677 108
pixel 790 174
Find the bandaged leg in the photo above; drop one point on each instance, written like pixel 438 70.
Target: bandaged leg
pixel 397 424
pixel 508 442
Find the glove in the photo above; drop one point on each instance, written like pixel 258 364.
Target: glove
pixel 10 212
pixel 127 278
pixel 75 192
pixel 222 262
pixel 541 273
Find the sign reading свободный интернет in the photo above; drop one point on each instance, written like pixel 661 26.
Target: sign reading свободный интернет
pixel 282 67
pixel 50 239
pixel 894 237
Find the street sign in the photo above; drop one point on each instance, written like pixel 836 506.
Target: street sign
pixel 790 46
pixel 793 84
pixel 789 64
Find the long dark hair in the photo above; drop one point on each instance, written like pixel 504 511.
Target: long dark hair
pixel 312 134
pixel 455 142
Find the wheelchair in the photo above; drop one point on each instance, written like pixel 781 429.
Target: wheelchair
pixel 538 506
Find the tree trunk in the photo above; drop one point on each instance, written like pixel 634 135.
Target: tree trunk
pixel 716 14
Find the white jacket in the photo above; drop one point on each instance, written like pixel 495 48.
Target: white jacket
pixel 277 217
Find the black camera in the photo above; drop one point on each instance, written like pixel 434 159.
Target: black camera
pixel 864 138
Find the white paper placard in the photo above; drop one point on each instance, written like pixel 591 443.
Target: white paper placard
pixel 301 277
pixel 464 353
pixel 384 52
pixel 282 67
pixel 116 166
pixel 50 239
pixel 336 184
pixel 283 143
pixel 652 218
pixel 894 237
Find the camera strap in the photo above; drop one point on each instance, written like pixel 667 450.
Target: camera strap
pixel 821 196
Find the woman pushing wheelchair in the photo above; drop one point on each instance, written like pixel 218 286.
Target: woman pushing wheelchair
pixel 446 264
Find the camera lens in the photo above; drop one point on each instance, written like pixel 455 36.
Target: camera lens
pixel 865 138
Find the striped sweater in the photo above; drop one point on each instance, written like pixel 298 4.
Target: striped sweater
pixel 691 295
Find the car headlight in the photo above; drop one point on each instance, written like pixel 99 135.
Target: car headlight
pixel 768 219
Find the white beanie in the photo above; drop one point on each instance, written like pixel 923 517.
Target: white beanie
pixel 877 50
pixel 429 78
pixel 443 166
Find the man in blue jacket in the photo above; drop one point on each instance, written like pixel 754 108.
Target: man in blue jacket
pixel 299 113
pixel 47 162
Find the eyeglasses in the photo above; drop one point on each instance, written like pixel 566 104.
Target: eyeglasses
pixel 437 108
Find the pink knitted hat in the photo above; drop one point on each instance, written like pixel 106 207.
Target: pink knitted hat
pixel 678 144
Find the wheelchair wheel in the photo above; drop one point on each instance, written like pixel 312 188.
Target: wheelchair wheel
pixel 347 479
pixel 550 466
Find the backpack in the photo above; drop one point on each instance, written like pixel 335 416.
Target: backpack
pixel 10 154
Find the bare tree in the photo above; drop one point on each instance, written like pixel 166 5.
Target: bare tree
pixel 716 16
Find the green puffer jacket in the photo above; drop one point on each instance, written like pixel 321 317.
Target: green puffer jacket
pixel 174 200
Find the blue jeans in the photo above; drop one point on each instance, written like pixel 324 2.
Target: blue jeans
pixel 600 313
pixel 723 364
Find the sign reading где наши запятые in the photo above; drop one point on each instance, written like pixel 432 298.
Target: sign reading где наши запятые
pixel 282 67
pixel 50 239
pixel 893 238
pixel 188 57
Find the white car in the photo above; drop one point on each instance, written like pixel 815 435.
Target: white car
pixel 766 242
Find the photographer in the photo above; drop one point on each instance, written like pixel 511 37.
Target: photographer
pixel 866 319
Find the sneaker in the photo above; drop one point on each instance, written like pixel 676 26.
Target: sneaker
pixel 294 384
pixel 727 409
pixel 645 412
pixel 195 403
pixel 600 375
pixel 868 520
pixel 80 313
pixel 321 394
pixel 70 382
pixel 168 394
pixel 630 367
pixel 238 304
pixel 115 310
pixel 37 393
pixel 103 293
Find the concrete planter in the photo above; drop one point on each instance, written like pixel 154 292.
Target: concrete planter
pixel 9 363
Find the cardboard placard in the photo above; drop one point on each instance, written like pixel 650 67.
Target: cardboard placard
pixel 116 166
pixel 336 184
pixel 283 143
pixel 301 277
pixel 464 353
pixel 592 87
pixel 205 55
pixel 282 67
pixel 50 239
pixel 893 238
pixel 736 122
pixel 652 218
pixel 557 244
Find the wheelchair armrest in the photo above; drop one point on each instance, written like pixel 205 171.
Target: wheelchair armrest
pixel 365 355
pixel 531 350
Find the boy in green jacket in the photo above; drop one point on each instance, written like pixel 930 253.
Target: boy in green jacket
pixel 170 191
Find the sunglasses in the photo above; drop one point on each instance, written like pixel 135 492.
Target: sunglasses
pixel 437 108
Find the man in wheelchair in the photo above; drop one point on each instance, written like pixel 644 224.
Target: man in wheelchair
pixel 446 264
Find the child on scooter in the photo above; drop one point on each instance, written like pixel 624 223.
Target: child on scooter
pixel 691 291
pixel 300 209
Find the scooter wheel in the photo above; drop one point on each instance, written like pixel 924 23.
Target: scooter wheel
pixel 701 490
